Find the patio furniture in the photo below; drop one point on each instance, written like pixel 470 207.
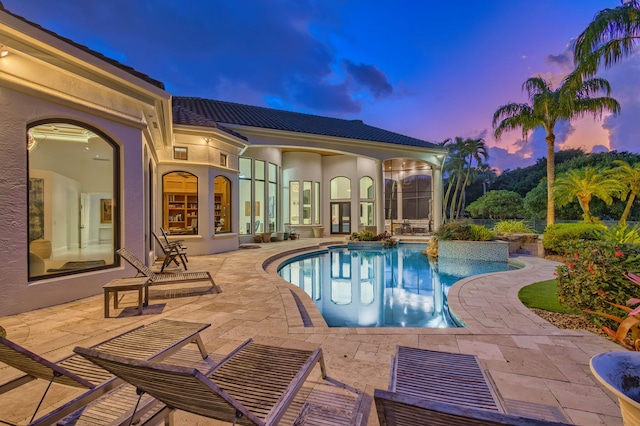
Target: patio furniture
pixel 395 409
pixel 451 388
pixel 443 377
pixel 153 341
pixel 126 284
pixel 172 253
pixel 254 384
pixel 178 243
pixel 160 279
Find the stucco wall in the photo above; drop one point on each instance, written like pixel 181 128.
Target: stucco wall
pixel 18 295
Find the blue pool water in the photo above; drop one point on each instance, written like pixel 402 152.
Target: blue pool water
pixel 393 287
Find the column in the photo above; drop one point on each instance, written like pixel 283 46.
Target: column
pixel 379 204
pixel 438 194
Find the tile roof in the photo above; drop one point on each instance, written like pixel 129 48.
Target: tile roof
pixel 98 55
pixel 182 115
pixel 267 118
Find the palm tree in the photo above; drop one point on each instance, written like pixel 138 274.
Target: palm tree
pixel 474 149
pixel 584 184
pixel 628 175
pixel 549 107
pixel 455 168
pixel 612 35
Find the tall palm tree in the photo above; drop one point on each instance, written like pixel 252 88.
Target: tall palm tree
pixel 628 175
pixel 474 149
pixel 549 107
pixel 584 184
pixel 612 35
pixel 455 168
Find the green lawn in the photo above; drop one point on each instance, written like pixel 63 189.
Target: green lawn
pixel 542 295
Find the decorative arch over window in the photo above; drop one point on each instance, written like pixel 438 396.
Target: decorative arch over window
pixel 180 195
pixel 222 204
pixel 340 188
pixel 73 183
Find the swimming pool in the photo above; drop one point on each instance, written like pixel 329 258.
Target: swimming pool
pixel 392 287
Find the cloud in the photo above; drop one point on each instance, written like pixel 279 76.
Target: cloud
pixel 598 149
pixel 370 77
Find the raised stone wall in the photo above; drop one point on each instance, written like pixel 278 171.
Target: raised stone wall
pixel 474 250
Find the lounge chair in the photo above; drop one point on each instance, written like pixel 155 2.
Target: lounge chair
pixel 396 409
pixel 172 253
pixel 179 243
pixel 254 384
pixel 160 279
pixel 424 382
pixel 153 341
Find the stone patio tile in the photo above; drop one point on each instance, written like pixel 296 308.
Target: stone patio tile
pixel 481 349
pixel 531 362
pixel 531 342
pixel 583 397
pixel 590 419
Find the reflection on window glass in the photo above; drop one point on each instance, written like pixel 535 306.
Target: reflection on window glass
pixel 222 204
pixel 340 188
pixel 245 207
pixel 245 168
pixel 73 210
pixel 316 198
pixel 366 188
pixel 341 292
pixel 306 203
pixel 259 224
pixel 294 200
pixel 180 209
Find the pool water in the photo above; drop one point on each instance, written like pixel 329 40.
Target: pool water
pixel 391 287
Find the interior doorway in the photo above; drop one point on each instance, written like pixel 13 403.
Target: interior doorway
pixel 341 217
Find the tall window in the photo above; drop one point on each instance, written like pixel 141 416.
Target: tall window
pixel 316 197
pixel 366 201
pixel 273 197
pixel 222 204
pixel 390 199
pixel 245 196
pixel 306 203
pixel 294 200
pixel 73 199
pixel 259 197
pixel 180 196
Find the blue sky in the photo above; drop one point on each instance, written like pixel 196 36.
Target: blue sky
pixel 428 69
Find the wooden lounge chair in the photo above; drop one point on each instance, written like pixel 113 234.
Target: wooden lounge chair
pixel 254 384
pixel 396 409
pixel 443 377
pixel 430 378
pixel 159 279
pixel 153 341
pixel 172 253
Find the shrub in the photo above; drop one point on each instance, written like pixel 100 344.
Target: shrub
pixel 497 204
pixel 592 276
pixel 557 236
pixel 464 231
pixel 512 227
pixel 622 234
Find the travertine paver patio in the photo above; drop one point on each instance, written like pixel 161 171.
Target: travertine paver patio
pixel 528 358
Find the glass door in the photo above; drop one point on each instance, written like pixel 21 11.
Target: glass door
pixel 341 218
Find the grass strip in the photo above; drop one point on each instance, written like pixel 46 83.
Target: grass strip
pixel 542 295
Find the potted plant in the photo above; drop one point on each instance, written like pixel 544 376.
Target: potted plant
pixel 293 234
pixel 620 373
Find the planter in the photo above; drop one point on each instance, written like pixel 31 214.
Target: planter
pixel 620 373
pixel 318 232
pixel 257 238
pixel 266 237
pixel 497 251
pixel 286 235
pixel 279 236
pixel 293 236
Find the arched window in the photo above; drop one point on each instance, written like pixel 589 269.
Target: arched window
pixel 180 194
pixel 73 198
pixel 366 201
pixel 340 188
pixel 222 204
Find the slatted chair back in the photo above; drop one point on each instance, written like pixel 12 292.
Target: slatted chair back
pixel 136 263
pixel 257 381
pixel 395 409
pixel 443 376
pixel 36 366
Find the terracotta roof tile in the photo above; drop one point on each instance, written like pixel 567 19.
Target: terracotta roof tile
pixel 267 118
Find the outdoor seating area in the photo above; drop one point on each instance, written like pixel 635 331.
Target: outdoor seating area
pixel 508 367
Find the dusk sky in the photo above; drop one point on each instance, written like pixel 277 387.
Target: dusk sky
pixel 427 69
